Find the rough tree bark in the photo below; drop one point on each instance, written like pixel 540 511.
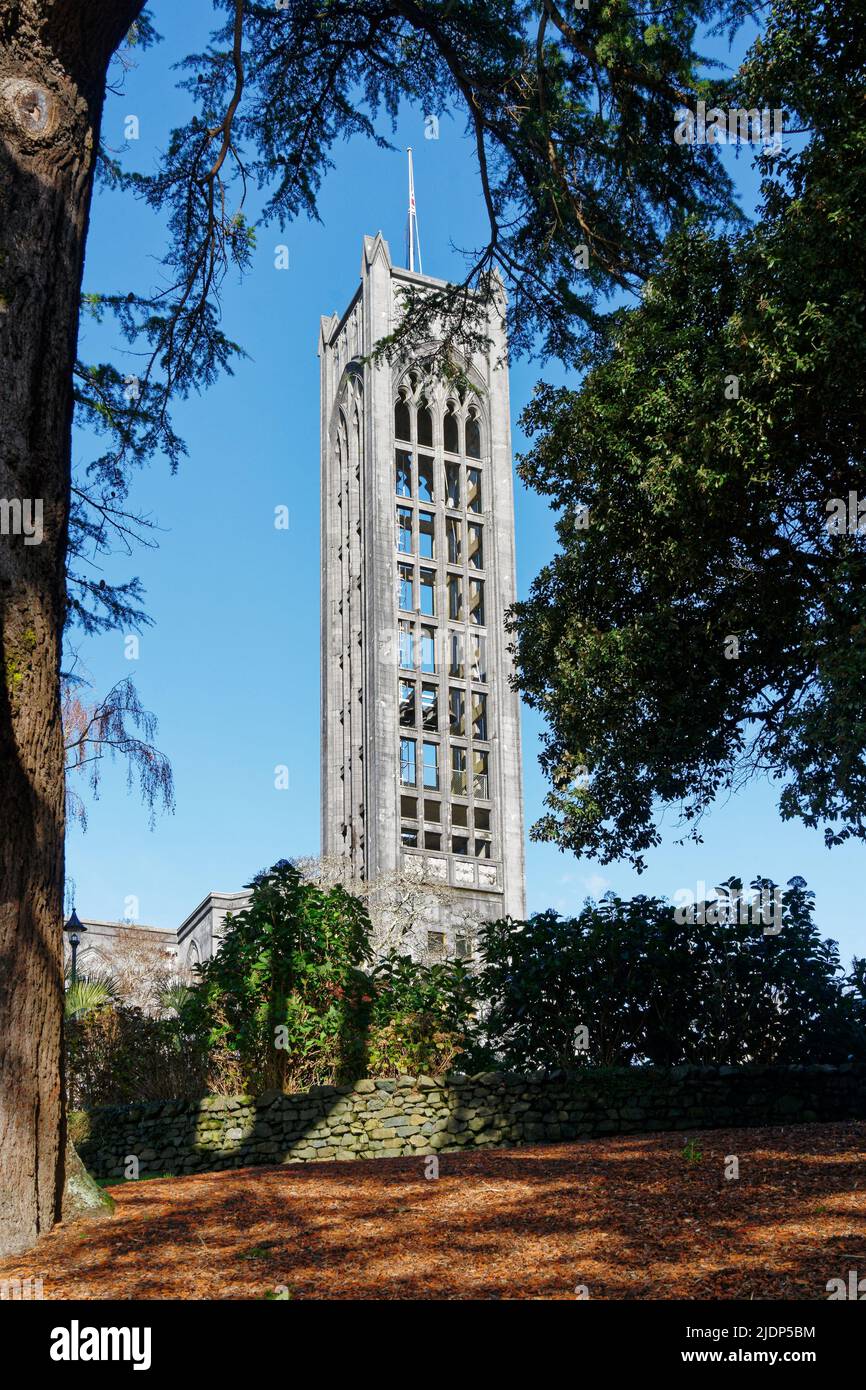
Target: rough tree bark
pixel 54 57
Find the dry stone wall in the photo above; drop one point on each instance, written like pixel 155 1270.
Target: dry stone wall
pixel 424 1115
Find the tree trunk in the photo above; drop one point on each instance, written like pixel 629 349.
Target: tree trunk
pixel 54 56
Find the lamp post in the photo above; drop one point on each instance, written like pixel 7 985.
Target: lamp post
pixel 75 928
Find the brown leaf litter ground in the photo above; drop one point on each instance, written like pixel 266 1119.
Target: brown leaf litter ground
pixel 630 1217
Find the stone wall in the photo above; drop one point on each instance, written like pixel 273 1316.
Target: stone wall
pixel 422 1115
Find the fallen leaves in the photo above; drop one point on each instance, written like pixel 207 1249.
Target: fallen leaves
pixel 627 1217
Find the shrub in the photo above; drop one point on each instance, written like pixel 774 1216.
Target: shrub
pixel 284 1003
pixel 420 1016
pixel 117 1053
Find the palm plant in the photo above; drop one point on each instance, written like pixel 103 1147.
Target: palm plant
pixel 88 992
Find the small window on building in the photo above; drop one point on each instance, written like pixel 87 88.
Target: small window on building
pixel 455 597
pixel 476 601
pixel 457 712
pixel 425 426
pixel 403 473
pixel 407 703
pixel 428 651
pixel 462 949
pixel 426 545
pixel 452 484
pixel 479 715
pixel 407 647
pixel 476 552
pixel 478 656
pixel 482 848
pixel 458 772
pixel 404 530
pixel 408 774
pixel 409 836
pixel 409 807
pixel 431 766
pixel 459 844
pixel 480 766
pixel 451 433
pixel 436 943
pixel 459 814
pixel 425 479
pixel 430 708
pixel 402 423
pixel 473 434
pixel 428 592
pixel 473 489
pixel 433 811
pixel 453 527
pixel 482 818
pixel 432 839
pixel 406 587
pixel 456 663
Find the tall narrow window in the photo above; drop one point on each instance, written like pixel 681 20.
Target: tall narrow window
pixel 431 765
pixel 473 489
pixel 479 715
pixel 473 434
pixel 428 651
pixel 476 601
pixel 424 422
pixel 455 597
pixel 478 656
pixel 403 472
pixel 407 703
pixel 426 544
pixel 407 647
pixel 452 484
pixel 458 771
pixel 451 433
pixel 453 527
pixel 480 769
pixel 476 550
pixel 406 587
pixel 425 479
pixel 402 425
pixel 456 664
pixel 428 591
pixel 408 773
pixel 404 530
pixel 430 708
pixel 457 712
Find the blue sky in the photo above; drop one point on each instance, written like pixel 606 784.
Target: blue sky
pixel 231 667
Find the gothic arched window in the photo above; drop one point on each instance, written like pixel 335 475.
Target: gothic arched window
pixel 425 426
pixel 402 425
pixel 473 434
pixel 451 430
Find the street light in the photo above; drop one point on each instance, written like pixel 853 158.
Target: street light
pixel 75 928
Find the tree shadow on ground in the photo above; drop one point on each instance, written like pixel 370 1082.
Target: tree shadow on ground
pixel 620 1218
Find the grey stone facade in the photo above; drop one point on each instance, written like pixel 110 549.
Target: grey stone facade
pixel 196 939
pixel 421 766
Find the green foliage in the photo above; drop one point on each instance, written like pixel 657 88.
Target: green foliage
pixel 116 1054
pixel 284 1002
pixel 706 626
pixel 419 1017
pixel 691 1153
pixel 648 988
pixel 87 993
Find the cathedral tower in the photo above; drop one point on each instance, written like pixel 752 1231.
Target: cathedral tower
pixel 421 766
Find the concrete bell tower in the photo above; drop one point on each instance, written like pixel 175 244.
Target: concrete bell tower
pixel 421 763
